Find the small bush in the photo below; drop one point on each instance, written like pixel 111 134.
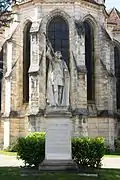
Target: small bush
pixel 87 152
pixel 31 148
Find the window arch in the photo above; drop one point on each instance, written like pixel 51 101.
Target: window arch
pixel 117 74
pixel 89 60
pixel 26 61
pixel 58 34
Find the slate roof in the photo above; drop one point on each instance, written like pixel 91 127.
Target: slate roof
pixel 114 17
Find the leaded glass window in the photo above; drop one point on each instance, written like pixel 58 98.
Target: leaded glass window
pixel 58 34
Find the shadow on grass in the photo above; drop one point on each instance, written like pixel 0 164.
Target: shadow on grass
pixel 14 173
pixel 9 173
pixel 110 174
pixel 113 153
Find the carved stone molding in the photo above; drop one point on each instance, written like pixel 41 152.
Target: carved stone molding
pixel 80 112
pixel 22 1
pixel 106 113
pixel 81 69
pixel 35 26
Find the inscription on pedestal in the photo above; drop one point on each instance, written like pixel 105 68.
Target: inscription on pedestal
pixel 58 138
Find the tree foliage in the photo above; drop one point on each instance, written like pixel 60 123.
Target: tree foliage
pixel 5 12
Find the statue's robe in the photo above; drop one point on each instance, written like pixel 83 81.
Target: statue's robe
pixel 58 75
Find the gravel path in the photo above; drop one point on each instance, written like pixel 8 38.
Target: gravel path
pixel 12 161
pixel 111 163
pixel 6 161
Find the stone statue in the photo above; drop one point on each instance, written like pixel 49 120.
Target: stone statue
pixel 57 80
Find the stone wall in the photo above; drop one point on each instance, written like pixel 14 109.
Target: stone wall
pixel 96 127
pixel 103 127
pixel 81 126
pixel 18 127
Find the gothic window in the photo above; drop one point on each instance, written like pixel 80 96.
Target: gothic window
pixel 26 61
pixel 89 61
pixel 1 74
pixel 58 34
pixel 117 74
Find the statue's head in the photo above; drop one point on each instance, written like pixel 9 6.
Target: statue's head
pixel 58 54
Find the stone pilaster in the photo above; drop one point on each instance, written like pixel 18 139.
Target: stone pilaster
pixel 34 70
pixel 6 133
pixel 79 59
pixel 7 95
pixel 8 79
pixel 110 77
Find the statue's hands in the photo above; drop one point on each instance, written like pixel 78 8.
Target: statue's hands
pixel 66 70
pixel 48 50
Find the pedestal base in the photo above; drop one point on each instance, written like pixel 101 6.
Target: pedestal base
pixel 58 165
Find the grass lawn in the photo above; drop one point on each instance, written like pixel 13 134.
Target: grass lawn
pixel 8 153
pixel 112 156
pixel 14 154
pixel 8 173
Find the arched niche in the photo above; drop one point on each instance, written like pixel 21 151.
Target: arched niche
pixel 58 34
pixel 117 72
pixel 26 60
pixel 89 60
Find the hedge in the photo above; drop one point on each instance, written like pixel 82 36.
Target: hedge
pixel 86 152
pixel 31 149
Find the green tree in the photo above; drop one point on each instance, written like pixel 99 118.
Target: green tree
pixel 5 12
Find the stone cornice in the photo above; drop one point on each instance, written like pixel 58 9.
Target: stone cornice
pixel 19 2
pixel 116 31
pixel 24 3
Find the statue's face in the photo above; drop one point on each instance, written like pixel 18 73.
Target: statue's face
pixel 58 55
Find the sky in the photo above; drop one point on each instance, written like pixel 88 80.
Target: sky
pixel 112 3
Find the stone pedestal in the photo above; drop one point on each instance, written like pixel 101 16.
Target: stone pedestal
pixel 58 153
pixel 58 165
